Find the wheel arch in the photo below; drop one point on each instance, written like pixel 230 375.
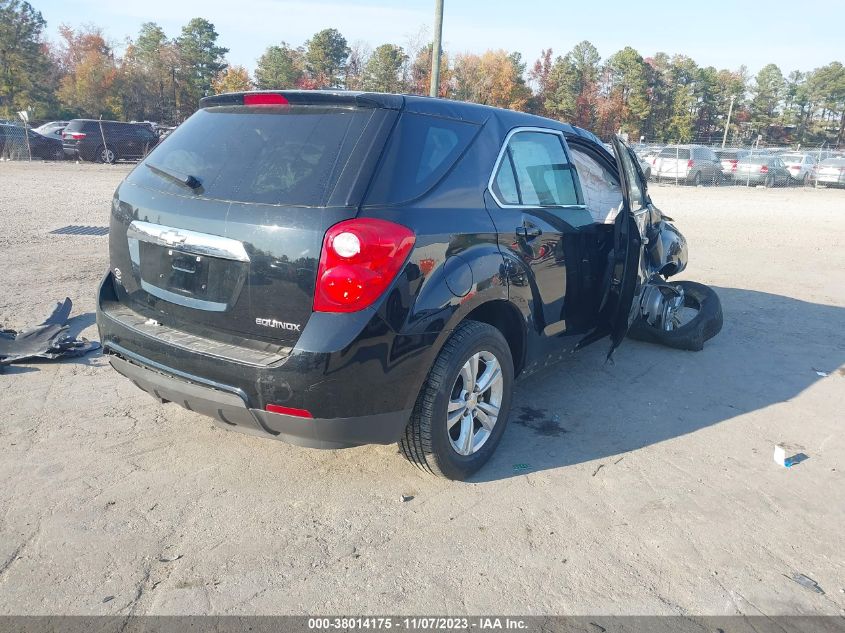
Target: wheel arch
pixel 505 317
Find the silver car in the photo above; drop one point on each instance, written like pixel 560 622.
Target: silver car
pixel 801 166
pixel 831 172
pixel 691 164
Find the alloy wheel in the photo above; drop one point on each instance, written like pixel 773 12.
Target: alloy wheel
pixel 474 403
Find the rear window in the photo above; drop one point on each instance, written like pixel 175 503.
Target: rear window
pixel 292 156
pixel 758 160
pixel 675 152
pixel 420 151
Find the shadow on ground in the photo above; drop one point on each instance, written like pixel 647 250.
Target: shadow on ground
pixel 770 350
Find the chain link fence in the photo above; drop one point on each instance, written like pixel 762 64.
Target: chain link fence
pixel 746 165
pixel 697 164
pixel 89 140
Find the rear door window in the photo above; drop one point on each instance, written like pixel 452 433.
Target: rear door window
pixel 541 171
pixel 294 155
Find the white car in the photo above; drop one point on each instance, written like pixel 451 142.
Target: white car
pixel 802 167
pixel 831 172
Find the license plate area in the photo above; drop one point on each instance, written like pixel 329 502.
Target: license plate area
pixel 175 270
pixel 199 271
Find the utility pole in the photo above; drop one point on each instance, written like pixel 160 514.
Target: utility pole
pixel 728 123
pixel 435 50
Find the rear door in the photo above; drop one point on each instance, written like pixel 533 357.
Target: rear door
pixel 538 209
pixel 627 273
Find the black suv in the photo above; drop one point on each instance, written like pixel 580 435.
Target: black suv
pixel 107 141
pixel 336 269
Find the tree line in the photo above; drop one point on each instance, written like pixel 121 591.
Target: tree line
pixel 659 97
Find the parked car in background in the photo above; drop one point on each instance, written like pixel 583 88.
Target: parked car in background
pixel 692 164
pixel 831 172
pixel 52 129
pixel 729 159
pixel 17 143
pixel 801 166
pixel 763 169
pixel 107 141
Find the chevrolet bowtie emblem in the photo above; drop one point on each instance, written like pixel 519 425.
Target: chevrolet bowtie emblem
pixel 173 237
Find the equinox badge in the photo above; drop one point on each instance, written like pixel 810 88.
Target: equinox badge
pixel 281 325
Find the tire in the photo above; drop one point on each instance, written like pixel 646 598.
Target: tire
pixel 59 154
pixel 692 335
pixel 696 181
pixel 428 441
pixel 105 155
pixel 769 182
pixel 806 179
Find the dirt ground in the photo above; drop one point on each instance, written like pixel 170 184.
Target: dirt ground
pixel 642 487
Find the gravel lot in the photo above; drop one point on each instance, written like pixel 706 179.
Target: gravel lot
pixel 648 486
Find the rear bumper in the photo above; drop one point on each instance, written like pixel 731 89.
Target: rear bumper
pixel 830 179
pixel 357 395
pixel 230 409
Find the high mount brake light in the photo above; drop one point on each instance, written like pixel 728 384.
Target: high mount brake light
pixel 264 99
pixel 359 260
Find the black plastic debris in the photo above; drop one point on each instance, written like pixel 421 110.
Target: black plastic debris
pixel 78 229
pixel 48 340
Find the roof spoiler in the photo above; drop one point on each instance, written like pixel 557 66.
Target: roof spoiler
pixel 307 97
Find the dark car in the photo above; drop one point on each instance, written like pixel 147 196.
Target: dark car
pixel 18 144
pixel 107 141
pixel 337 269
pixel 763 169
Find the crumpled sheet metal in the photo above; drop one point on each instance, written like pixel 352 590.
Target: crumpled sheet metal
pixel 48 340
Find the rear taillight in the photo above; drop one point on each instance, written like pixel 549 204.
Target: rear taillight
pixel 733 164
pixel 299 413
pixel 264 99
pixel 764 169
pixel 76 136
pixel 690 163
pixel 359 260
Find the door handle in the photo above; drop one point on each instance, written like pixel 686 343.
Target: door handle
pixel 528 231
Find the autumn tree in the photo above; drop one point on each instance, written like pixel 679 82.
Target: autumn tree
pixel 325 58
pixel 419 80
pixel 91 81
pixel 149 71
pixel 540 77
pixel 23 62
pixel 232 79
pixel 279 67
pixel 492 78
pixel 383 72
pixel 573 85
pixel 625 87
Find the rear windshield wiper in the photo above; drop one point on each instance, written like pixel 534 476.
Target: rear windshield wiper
pixel 186 180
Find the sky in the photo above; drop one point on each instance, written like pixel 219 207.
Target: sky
pixel 725 34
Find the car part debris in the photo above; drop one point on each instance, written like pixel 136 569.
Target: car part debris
pixel 807 582
pixel 48 340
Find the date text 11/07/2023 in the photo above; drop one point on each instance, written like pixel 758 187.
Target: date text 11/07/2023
pixel 417 623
